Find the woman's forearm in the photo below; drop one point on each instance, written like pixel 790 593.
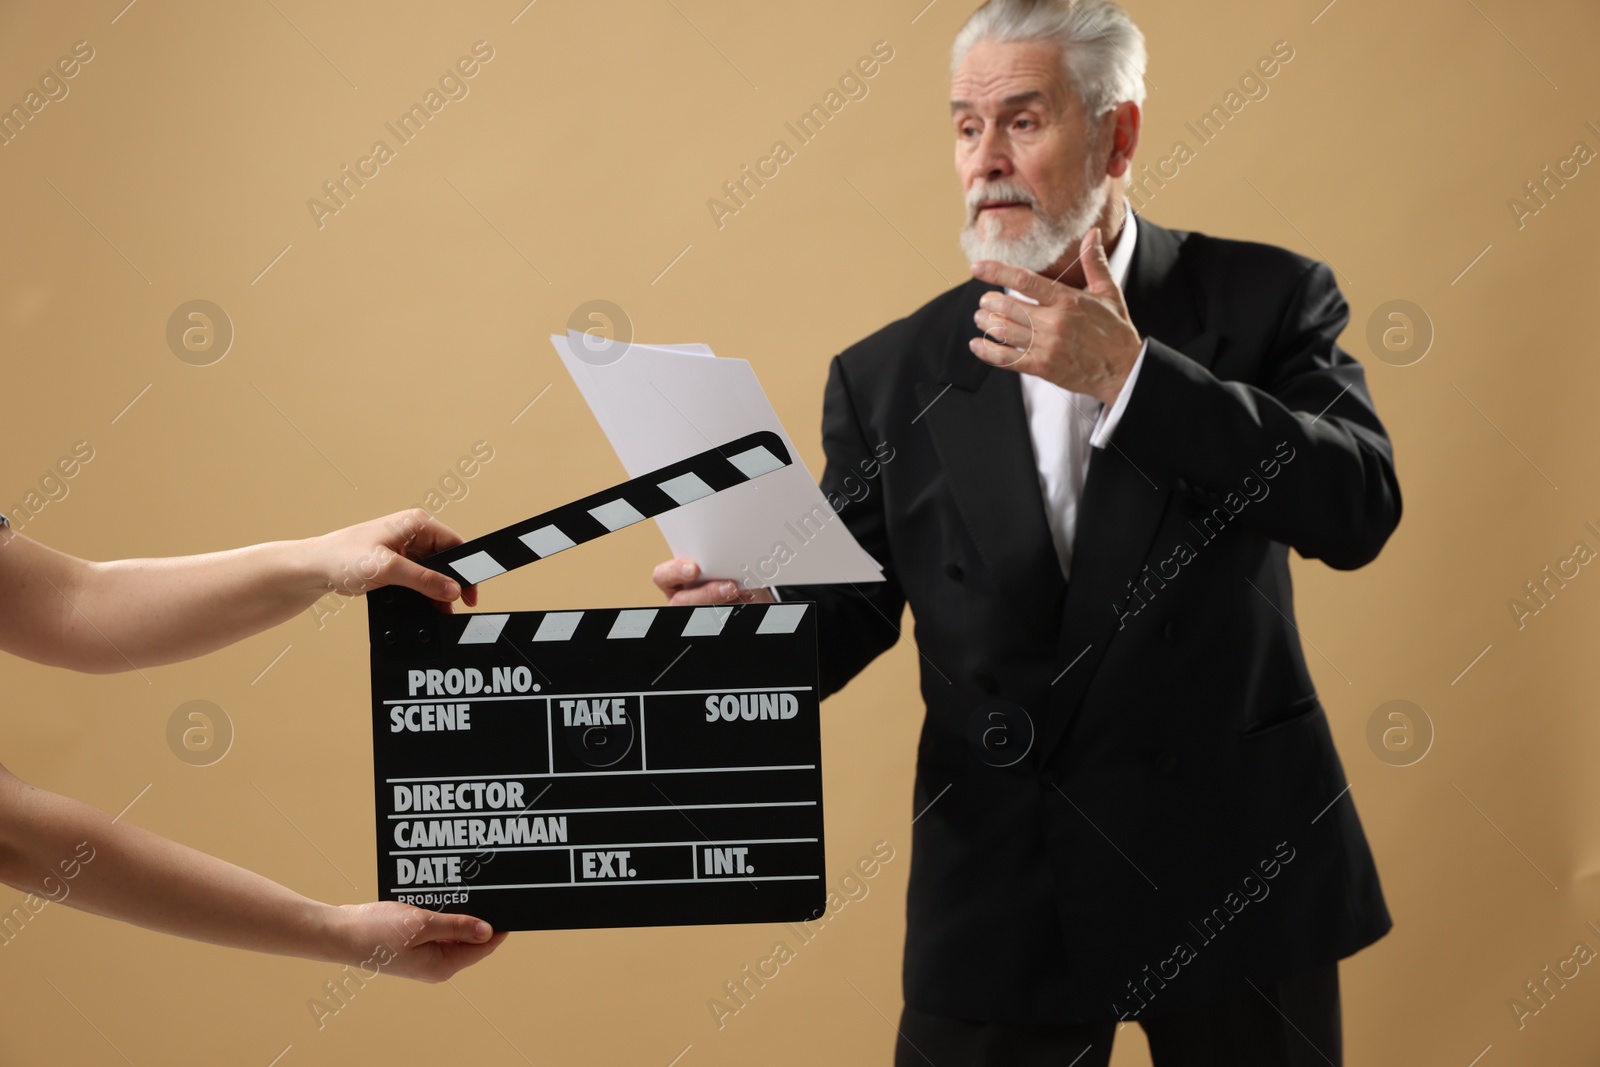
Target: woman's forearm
pixel 71 853
pixel 134 613
pixel 149 612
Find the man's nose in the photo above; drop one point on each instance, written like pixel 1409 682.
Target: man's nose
pixel 994 158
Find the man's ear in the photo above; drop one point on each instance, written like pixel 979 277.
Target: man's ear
pixel 1127 120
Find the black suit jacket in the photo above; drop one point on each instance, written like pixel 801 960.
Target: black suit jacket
pixel 1127 798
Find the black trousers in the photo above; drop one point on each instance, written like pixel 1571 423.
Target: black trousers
pixel 1293 1023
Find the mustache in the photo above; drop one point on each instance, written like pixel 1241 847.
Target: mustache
pixel 1000 190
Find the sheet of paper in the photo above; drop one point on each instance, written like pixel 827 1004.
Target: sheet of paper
pixel 693 349
pixel 658 404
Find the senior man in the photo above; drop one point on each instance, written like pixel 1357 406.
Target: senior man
pixel 1104 446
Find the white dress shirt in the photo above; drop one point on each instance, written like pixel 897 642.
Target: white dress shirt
pixel 1065 425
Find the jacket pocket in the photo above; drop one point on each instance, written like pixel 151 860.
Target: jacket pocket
pixel 1298 713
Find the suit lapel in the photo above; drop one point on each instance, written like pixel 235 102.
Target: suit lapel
pixel 1122 506
pixel 979 428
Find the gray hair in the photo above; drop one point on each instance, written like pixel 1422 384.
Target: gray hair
pixel 1102 50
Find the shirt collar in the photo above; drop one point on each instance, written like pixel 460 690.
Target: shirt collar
pixel 1122 255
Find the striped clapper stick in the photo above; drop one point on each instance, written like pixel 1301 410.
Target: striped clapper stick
pixel 606 767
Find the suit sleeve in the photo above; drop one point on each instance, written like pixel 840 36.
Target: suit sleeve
pixel 855 622
pixel 1331 493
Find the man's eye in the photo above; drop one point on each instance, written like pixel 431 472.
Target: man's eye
pixel 1025 123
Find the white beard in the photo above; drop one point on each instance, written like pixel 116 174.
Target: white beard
pixel 1046 241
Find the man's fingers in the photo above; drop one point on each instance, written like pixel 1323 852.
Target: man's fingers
pixel 1037 286
pixel 720 591
pixel 997 355
pixel 1097 273
pixel 682 581
pixel 1096 267
pixel 1007 307
pixel 674 574
pixel 704 593
pixel 1002 327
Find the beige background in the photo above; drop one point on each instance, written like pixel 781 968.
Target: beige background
pixel 376 350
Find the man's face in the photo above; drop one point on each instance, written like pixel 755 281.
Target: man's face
pixel 1026 154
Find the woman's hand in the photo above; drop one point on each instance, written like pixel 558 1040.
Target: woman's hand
pixel 371 555
pixel 399 939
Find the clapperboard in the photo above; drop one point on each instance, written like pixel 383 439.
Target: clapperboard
pixel 607 767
